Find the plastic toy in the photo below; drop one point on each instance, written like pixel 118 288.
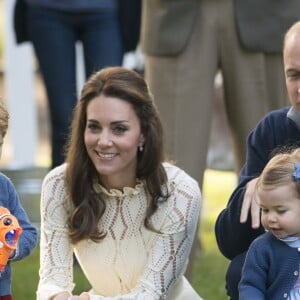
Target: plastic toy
pixel 10 232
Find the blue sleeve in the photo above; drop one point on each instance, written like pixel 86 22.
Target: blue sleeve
pixel 28 239
pixel 253 284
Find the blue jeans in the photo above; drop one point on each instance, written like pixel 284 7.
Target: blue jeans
pixel 54 35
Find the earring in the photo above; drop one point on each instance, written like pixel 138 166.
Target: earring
pixel 141 148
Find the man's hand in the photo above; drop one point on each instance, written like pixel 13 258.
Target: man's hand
pixel 250 204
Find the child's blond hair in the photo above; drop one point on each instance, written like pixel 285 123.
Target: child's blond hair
pixel 4 117
pixel 282 169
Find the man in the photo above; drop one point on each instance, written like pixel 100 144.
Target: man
pixel 239 223
pixel 187 42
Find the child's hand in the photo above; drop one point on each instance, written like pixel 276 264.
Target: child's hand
pixel 12 253
pixel 10 232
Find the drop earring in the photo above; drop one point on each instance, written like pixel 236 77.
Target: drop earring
pixel 141 148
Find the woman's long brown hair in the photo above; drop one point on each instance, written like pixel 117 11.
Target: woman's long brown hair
pixel 88 207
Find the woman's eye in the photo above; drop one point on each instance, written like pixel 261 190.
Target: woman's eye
pixel 93 126
pixel 120 129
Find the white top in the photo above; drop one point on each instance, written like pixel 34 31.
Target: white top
pixel 131 262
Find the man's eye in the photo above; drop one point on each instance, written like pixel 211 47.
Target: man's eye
pixel 293 75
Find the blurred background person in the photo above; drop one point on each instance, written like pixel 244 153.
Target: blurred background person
pixel 106 31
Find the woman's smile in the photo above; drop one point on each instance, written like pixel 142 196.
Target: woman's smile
pixel 106 156
pixel 112 137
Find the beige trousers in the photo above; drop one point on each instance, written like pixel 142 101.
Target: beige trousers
pixel 183 87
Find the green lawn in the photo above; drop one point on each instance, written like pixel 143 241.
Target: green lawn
pixel 25 278
pixel 209 270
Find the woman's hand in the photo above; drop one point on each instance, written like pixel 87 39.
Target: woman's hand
pixel 83 296
pixel 67 296
pixel 250 203
pixel 61 296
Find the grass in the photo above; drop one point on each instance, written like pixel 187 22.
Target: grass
pixel 25 278
pixel 209 269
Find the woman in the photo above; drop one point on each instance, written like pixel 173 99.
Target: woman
pixel 129 218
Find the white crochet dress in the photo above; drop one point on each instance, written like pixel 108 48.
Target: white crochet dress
pixel 131 262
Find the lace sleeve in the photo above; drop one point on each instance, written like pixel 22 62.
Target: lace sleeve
pixel 177 220
pixel 56 253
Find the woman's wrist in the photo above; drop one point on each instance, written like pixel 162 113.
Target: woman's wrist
pixel 61 296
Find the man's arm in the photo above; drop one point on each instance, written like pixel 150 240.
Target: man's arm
pixel 234 237
pixel 239 223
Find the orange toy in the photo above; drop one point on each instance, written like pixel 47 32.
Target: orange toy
pixel 10 232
